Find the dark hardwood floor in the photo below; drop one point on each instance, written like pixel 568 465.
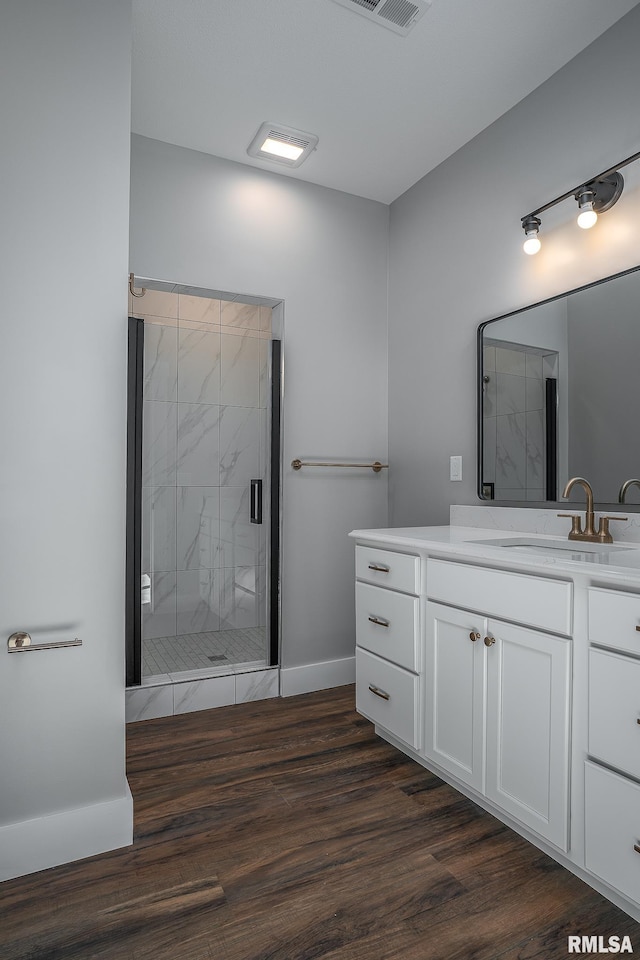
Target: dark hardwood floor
pixel 286 829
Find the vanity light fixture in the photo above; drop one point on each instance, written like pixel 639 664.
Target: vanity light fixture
pixel 282 144
pixel 593 197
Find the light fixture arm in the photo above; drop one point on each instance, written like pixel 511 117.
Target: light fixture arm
pixel 576 190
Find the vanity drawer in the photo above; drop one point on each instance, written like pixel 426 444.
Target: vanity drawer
pixel 388 623
pixel 614 710
pixel 388 695
pixel 534 601
pixel 399 571
pixel 614 619
pixel 612 829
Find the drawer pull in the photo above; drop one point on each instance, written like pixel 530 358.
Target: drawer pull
pixel 638 720
pixel 378 692
pixel 489 641
pixel 379 567
pixel 636 847
pixel 638 628
pixel 385 623
pixel 474 636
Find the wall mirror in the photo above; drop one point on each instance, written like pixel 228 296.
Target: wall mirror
pixel 559 395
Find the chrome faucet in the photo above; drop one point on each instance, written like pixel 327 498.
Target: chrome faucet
pixel 602 535
pixel 625 486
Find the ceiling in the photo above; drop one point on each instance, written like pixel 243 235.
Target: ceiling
pixel 387 109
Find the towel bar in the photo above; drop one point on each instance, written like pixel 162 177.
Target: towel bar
pixel 20 642
pixel 376 466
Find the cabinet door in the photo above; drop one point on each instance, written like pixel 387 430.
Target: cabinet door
pixel 454 694
pixel 527 762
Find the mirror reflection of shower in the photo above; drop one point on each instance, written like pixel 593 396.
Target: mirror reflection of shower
pixel 519 454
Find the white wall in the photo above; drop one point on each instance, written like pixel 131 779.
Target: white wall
pixel 456 256
pixel 207 222
pixel 64 116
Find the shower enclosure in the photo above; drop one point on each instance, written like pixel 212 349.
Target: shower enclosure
pixel 203 484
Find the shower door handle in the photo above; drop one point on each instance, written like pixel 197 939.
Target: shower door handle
pixel 256 501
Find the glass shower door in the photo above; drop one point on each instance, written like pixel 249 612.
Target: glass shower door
pixel 205 484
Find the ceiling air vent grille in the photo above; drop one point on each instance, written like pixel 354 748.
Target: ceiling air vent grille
pixel 400 12
pixel 295 141
pixel 400 16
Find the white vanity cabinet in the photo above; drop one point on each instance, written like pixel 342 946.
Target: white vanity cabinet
pixel 388 641
pixel 497 696
pixel 515 676
pixel 612 796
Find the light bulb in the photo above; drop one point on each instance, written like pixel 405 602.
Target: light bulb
pixel 532 244
pixel 587 216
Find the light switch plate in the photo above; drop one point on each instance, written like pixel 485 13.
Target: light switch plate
pixel 455 468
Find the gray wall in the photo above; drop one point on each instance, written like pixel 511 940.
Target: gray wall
pixel 456 256
pixel 64 170
pixel 207 222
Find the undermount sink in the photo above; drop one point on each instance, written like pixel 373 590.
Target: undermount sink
pixel 578 549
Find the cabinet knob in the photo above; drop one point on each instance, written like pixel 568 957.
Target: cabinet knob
pixel 474 636
pixel 489 641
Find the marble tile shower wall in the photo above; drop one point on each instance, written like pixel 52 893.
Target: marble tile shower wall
pixel 205 436
pixel 513 419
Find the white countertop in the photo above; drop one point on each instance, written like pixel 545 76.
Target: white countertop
pixel 460 542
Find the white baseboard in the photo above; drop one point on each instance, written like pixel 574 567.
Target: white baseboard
pixel 32 845
pixel 317 676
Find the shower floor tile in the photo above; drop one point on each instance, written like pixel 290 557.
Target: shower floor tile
pixel 217 651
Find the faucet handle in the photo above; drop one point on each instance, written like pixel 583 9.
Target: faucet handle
pixel 576 526
pixel 604 533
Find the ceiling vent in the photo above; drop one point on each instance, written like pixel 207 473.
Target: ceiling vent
pixel 400 16
pixel 282 144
